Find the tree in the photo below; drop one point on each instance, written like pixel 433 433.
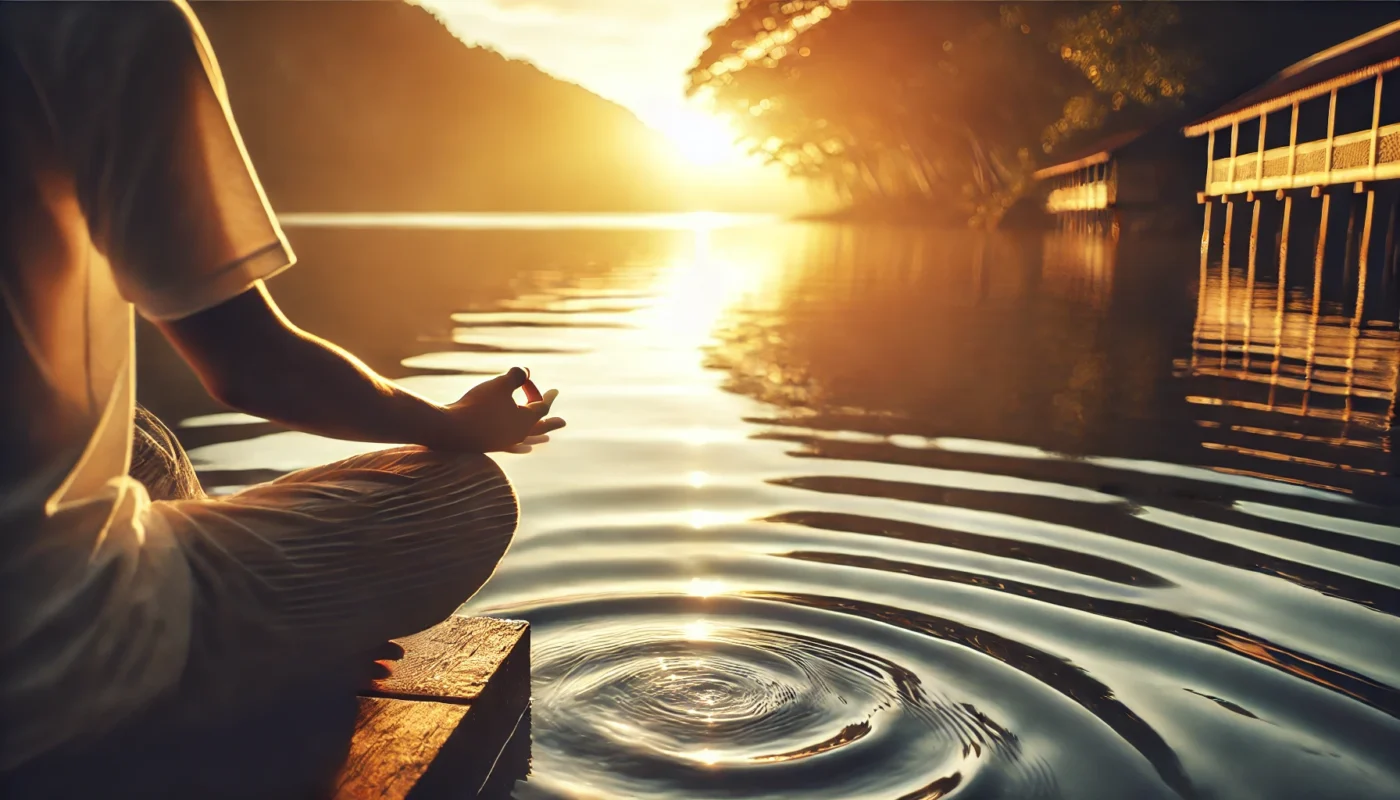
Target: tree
pixel 944 106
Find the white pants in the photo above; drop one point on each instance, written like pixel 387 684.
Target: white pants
pixel 283 579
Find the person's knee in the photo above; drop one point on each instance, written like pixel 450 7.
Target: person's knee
pixel 488 490
pixel 482 500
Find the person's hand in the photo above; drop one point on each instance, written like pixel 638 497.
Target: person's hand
pixel 487 418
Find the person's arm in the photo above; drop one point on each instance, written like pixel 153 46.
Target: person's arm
pixel 249 356
pixel 173 202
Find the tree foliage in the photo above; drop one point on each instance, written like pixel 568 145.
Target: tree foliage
pixel 945 105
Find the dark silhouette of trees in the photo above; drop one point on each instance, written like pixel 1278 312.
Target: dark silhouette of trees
pixel 946 108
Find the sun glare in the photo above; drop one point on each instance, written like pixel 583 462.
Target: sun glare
pixel 703 139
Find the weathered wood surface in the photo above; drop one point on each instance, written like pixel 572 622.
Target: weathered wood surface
pixel 457 661
pixel 437 728
pixel 439 724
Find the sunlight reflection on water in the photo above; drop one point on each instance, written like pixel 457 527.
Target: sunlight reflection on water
pixel 873 513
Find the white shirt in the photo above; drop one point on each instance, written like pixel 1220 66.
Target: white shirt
pixel 125 184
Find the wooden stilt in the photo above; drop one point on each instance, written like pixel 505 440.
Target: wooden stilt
pixel 1202 281
pixel 1354 330
pixel 1390 236
pixel 1249 283
pixel 1225 285
pixel 1282 296
pixel 1348 243
pixel 1363 260
pixel 1316 300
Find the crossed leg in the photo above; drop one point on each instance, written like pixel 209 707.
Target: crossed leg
pixel 293 584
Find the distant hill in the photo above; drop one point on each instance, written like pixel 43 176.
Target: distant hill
pixel 376 106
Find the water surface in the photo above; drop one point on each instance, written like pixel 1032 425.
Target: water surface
pixel 858 512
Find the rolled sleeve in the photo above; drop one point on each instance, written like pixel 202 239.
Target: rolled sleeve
pixel 164 179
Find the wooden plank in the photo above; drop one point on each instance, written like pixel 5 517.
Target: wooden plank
pixel 395 742
pixel 457 660
pixel 439 724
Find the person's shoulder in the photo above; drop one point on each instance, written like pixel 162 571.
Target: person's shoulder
pixel 68 29
pixel 76 52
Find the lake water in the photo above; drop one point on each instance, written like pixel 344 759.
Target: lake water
pixel 860 512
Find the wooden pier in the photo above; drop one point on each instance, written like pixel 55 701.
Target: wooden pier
pixel 1127 180
pixel 1083 191
pixel 452 720
pixel 1371 153
pixel 440 725
pixel 1355 161
pixel 1295 335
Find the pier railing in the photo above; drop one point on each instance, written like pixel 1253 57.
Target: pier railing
pixel 1368 155
pixel 1090 196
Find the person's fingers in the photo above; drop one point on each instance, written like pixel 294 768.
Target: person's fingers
pixel 535 411
pixel 546 425
pixel 534 439
pixel 519 449
pixel 509 381
pixel 541 407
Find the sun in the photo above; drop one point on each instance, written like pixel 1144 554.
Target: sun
pixel 703 139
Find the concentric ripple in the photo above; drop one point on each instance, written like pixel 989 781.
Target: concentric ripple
pixel 715 705
pixel 876 514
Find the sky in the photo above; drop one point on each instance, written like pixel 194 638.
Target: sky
pixel 634 52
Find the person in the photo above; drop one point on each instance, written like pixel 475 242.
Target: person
pixel 122 587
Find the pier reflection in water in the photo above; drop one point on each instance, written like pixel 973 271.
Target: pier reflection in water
pixel 862 512
pixel 1301 349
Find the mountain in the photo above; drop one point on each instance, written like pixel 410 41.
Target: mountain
pixel 347 105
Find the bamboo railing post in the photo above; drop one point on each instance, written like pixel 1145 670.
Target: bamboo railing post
pixel 1210 163
pixel 1259 157
pixel 1376 125
pixel 1293 149
pixel 1331 138
pixel 1234 151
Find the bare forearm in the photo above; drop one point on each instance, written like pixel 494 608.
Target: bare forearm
pixel 249 356
pixel 312 385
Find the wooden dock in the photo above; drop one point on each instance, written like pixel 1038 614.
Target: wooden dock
pixel 452 720
pixel 440 725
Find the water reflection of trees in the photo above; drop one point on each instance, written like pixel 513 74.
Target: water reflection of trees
pixel 937 332
pixel 1076 343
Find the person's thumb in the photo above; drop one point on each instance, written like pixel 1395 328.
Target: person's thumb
pixel 509 381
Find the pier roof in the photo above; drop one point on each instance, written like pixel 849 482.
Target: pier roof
pixel 1350 62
